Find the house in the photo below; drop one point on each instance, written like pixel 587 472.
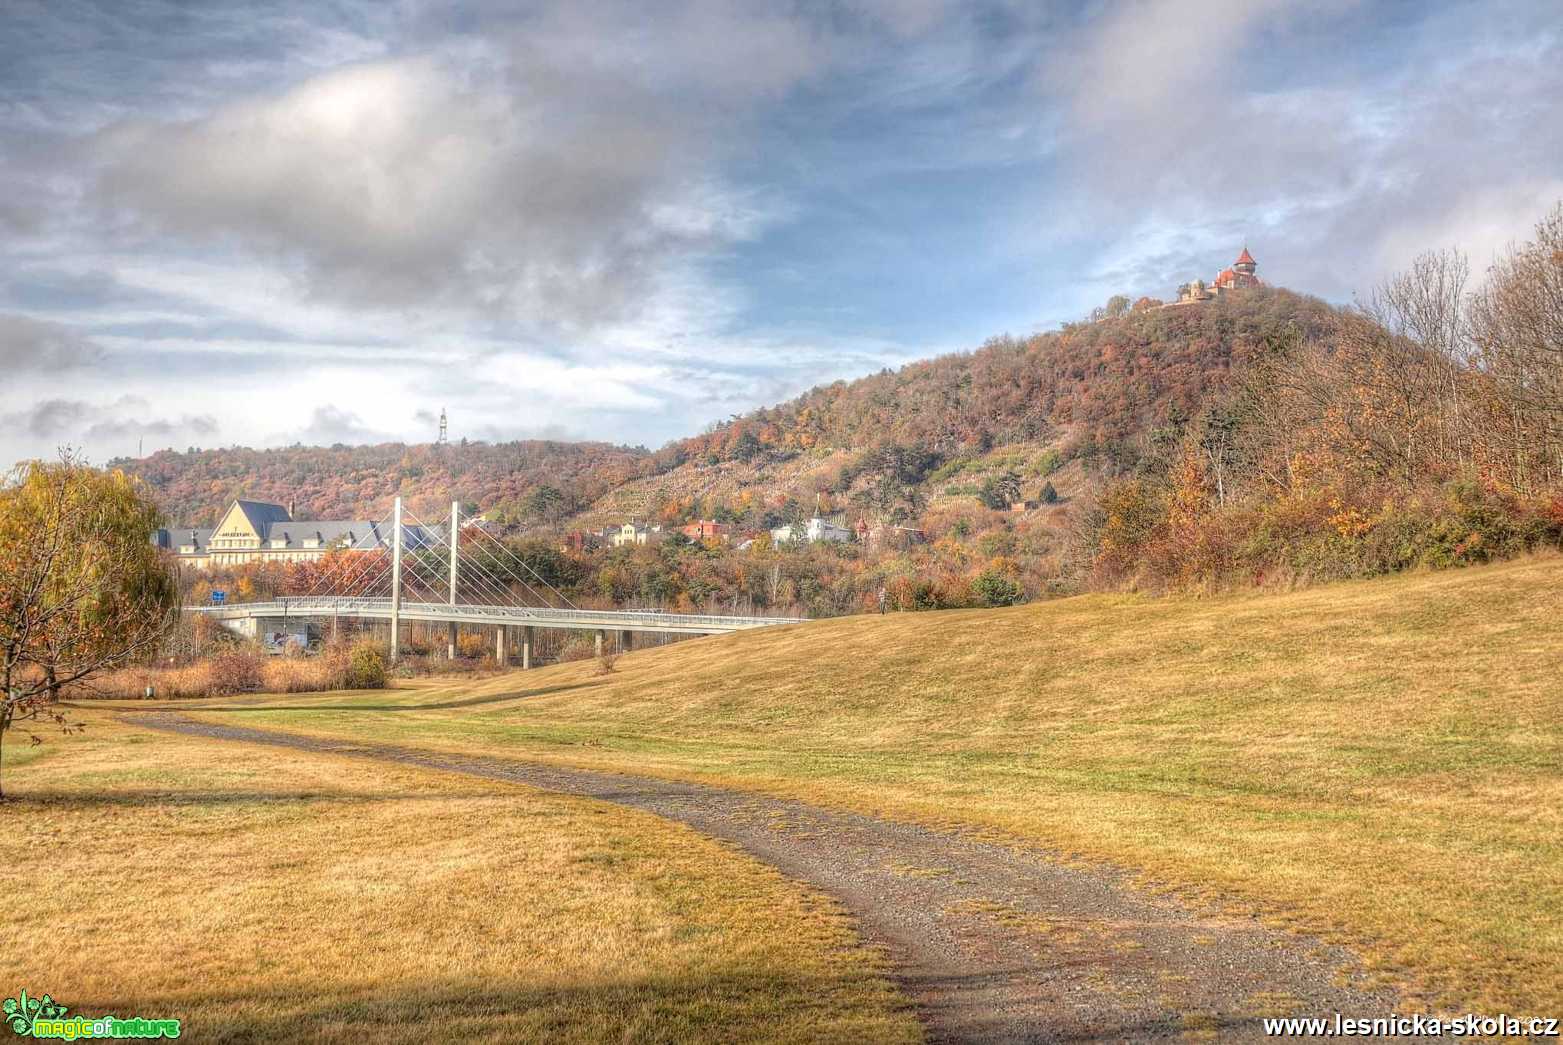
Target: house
pixel 825 530
pixel 815 530
pixel 705 530
pixel 631 534
pixel 1240 276
pixel 258 531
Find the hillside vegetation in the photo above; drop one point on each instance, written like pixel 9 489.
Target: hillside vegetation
pixel 359 482
pixel 1379 762
pixel 1103 384
pixel 1264 438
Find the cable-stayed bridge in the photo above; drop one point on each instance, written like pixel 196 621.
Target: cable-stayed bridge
pixel 457 574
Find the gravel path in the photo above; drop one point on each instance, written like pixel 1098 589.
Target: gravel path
pixel 991 943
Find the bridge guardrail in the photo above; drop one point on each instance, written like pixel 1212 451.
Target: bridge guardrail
pixel 492 614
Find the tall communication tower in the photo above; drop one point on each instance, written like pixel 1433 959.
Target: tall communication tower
pixel 443 433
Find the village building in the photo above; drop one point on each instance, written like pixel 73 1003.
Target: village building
pixel 815 530
pixel 258 531
pixel 632 533
pixel 707 530
pixel 1240 276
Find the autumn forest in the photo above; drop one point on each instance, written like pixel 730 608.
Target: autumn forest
pixel 1266 438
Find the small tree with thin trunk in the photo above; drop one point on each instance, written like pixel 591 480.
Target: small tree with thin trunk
pixel 82 588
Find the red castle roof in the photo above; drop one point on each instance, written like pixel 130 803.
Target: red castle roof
pixel 1245 258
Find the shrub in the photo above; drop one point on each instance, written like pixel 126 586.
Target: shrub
pixel 366 667
pixel 606 660
pixel 236 671
pixel 991 588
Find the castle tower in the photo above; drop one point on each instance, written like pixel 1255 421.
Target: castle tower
pixel 443 432
pixel 1245 263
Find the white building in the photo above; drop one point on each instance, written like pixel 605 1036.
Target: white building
pixel 634 533
pixel 815 530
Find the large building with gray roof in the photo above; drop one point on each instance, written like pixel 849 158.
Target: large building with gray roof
pixel 257 531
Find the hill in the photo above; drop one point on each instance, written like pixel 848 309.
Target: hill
pixel 889 445
pixel 1262 438
pixel 1094 388
pixel 359 482
pixel 938 448
pixel 1380 763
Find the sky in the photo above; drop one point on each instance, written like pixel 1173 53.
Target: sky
pixel 326 221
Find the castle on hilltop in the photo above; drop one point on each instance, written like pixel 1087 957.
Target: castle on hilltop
pixel 1239 277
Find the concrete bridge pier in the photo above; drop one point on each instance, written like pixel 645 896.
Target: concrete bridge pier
pixel 526 646
pixel 500 656
pixel 626 641
pixel 601 634
pixel 450 641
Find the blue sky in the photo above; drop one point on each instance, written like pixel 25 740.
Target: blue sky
pixel 325 221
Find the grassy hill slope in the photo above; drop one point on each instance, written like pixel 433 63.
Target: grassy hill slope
pixel 1379 762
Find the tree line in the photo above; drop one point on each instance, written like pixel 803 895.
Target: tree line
pixel 1424 428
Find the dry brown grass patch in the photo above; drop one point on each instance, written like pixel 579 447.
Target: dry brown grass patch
pixel 267 895
pixel 1379 763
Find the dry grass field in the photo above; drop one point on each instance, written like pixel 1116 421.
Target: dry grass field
pixel 1379 762
pixel 263 895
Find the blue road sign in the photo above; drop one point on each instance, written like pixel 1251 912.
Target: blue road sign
pixel 219 597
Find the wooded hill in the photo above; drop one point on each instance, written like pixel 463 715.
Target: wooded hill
pixel 1262 438
pixel 359 482
pixel 1096 389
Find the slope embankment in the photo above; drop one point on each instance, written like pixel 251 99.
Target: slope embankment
pixel 1378 763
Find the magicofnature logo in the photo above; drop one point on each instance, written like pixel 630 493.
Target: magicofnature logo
pixel 22 1013
pixel 46 1018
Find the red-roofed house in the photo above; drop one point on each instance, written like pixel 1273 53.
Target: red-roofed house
pixel 1239 277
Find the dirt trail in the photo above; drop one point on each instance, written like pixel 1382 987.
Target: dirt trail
pixel 990 942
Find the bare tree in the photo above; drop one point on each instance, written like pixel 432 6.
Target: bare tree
pixel 82 588
pixel 1517 330
pixel 1424 309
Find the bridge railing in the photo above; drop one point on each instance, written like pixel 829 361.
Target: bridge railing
pixel 327 605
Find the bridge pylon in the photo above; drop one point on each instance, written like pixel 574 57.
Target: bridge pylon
pixel 455 539
pixel 396 583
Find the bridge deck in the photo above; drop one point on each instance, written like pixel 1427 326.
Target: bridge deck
pixel 530 616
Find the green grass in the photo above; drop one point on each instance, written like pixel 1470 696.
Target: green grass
pixel 1380 763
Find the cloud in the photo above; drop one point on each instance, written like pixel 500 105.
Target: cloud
pixel 28 344
pixel 329 425
pixel 623 220
pixel 78 421
pixel 517 182
pixel 1336 143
